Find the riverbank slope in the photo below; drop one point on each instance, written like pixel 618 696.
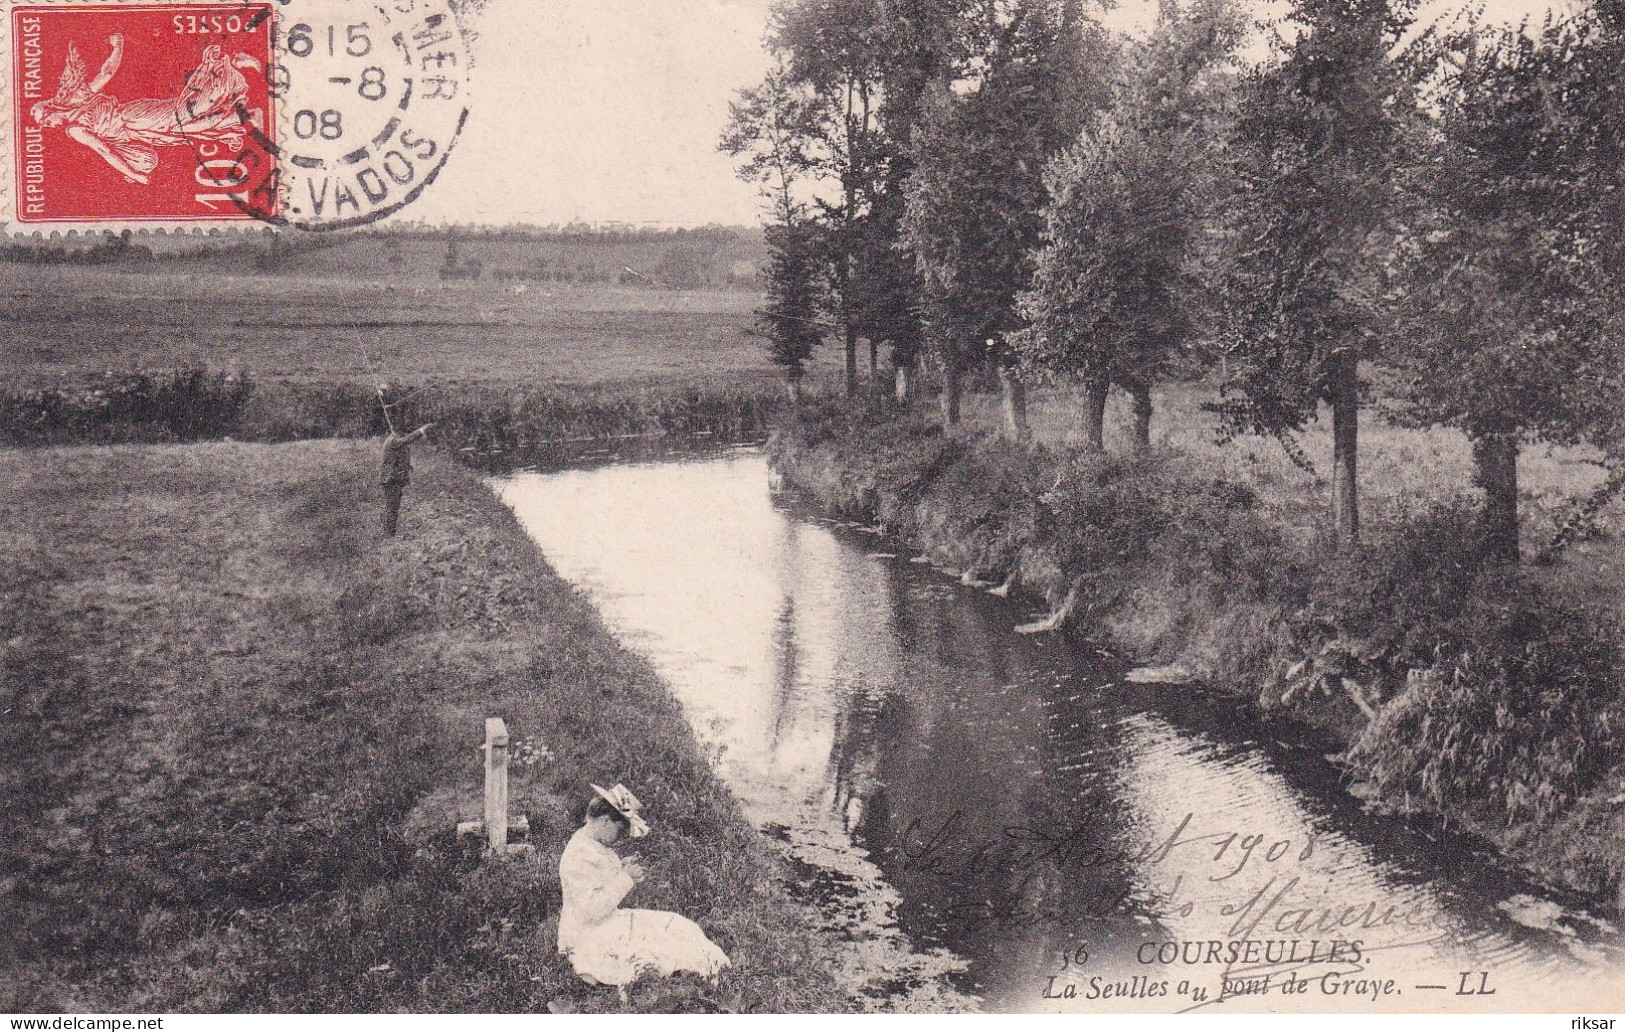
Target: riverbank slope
pixel 241 727
pixel 1487 696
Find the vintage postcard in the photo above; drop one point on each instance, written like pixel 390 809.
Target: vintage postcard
pixel 811 506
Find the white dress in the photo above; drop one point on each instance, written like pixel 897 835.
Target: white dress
pixel 613 946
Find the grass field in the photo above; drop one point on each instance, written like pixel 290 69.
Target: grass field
pixel 241 725
pixel 67 324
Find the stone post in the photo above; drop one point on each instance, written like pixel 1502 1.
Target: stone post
pixel 496 783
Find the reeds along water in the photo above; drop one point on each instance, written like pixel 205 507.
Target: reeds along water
pixel 185 404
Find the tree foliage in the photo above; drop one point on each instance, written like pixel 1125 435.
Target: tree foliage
pixel 1112 295
pixel 975 198
pixel 769 128
pixel 855 70
pixel 790 317
pixel 1503 325
pixel 1303 237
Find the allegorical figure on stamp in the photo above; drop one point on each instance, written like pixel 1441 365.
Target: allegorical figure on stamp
pixel 397 472
pixel 212 107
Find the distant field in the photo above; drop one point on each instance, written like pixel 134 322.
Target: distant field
pixel 69 322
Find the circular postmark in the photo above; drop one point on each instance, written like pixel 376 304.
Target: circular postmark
pixel 367 99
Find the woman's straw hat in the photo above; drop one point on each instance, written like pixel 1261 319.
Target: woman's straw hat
pixel 627 805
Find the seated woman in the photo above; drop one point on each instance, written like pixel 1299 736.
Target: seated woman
pixel 606 944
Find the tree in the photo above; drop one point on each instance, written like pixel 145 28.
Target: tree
pixel 856 68
pixel 925 40
pixel 1506 338
pixel 1304 232
pixel 769 127
pixel 973 217
pixel 1111 293
pixel 790 318
pixel 886 289
pixel 1602 95
pixel 830 54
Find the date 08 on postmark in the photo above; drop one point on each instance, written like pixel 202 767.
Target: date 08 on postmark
pixel 315 114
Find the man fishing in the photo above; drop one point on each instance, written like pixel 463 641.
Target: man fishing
pixel 397 466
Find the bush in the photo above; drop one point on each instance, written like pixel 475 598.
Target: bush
pixel 188 404
pixel 1512 723
pixel 1053 517
pixel 1369 616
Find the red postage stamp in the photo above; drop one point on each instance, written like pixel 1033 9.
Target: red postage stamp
pixel 137 113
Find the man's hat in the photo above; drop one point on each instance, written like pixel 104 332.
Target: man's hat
pixel 627 805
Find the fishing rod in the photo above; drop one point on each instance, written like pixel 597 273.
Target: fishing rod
pixel 383 400
pixel 386 404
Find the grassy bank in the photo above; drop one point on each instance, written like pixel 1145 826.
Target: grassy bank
pixel 240 728
pixel 1488 696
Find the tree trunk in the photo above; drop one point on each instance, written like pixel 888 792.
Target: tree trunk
pixel 1497 457
pixel 1345 397
pixel 952 378
pixel 1094 417
pixel 851 360
pixel 1142 417
pixel 1014 396
pixel 793 385
pixel 901 385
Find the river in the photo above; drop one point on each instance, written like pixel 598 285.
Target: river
pixel 1002 813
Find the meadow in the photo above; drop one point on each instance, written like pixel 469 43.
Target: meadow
pixel 69 324
pixel 242 727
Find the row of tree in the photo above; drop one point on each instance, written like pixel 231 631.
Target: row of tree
pixel 1003 185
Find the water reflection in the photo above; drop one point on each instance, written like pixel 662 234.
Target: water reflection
pixel 962 798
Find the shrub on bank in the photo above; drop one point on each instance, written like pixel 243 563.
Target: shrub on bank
pixel 192 403
pixel 492 428
pixel 1517 715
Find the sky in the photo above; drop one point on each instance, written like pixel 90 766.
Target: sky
pixel 609 110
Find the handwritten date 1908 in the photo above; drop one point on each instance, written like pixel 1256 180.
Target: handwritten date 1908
pixel 949 849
